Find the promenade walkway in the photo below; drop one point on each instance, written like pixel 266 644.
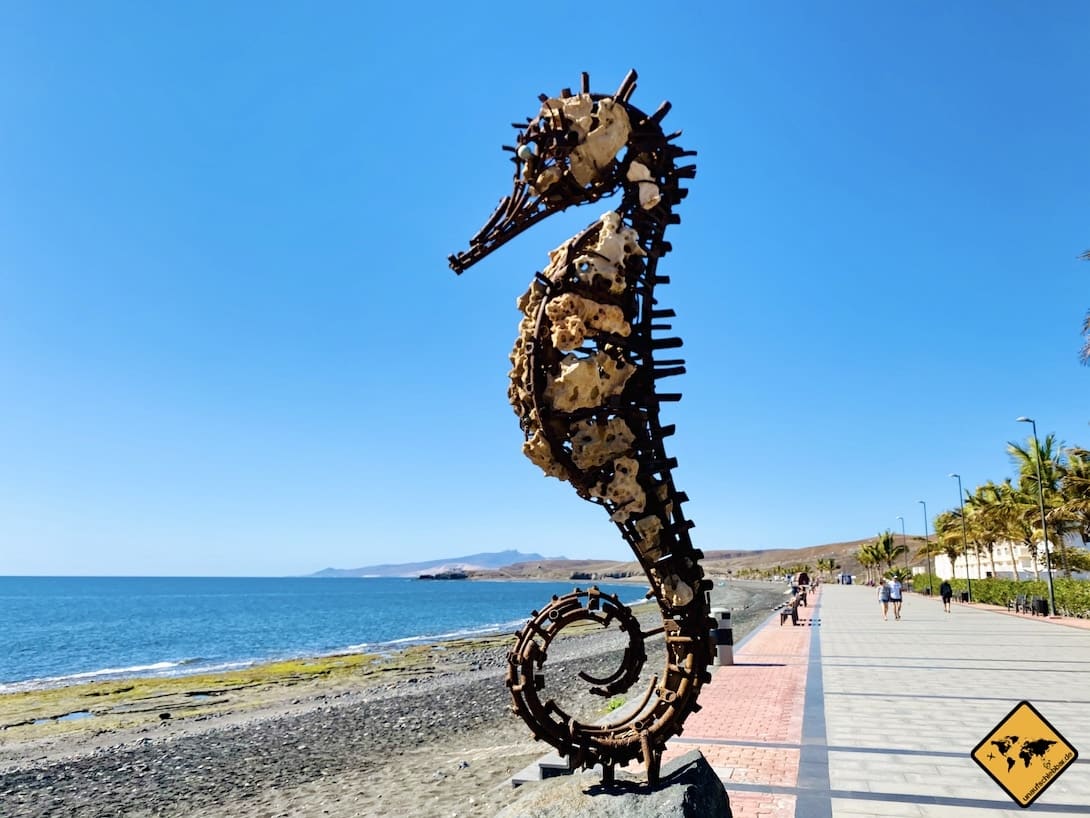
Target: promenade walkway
pixel 848 715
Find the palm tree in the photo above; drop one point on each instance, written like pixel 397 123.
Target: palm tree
pixel 886 548
pixel 1075 492
pixel 948 537
pixel 1014 514
pixel 927 552
pixel 901 574
pixel 1084 355
pixel 1023 518
pixel 826 564
pixel 985 517
pixel 1046 454
pixel 867 557
pixel 952 550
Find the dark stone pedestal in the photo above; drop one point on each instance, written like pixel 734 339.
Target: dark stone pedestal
pixel 687 787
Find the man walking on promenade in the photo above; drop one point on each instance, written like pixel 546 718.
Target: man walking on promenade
pixel 895 596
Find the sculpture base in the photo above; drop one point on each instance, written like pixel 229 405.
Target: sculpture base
pixel 687 786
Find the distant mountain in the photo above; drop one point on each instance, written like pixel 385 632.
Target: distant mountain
pixel 516 565
pixel 472 562
pixel 734 562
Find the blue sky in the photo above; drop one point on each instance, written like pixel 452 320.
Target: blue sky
pixel 230 342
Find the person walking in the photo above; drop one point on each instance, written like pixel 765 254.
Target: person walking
pixel 883 598
pixel 947 594
pixel 895 596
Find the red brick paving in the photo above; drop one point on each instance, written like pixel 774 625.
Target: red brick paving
pixel 758 702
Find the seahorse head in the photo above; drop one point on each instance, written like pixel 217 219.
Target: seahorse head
pixel 571 153
pixel 573 142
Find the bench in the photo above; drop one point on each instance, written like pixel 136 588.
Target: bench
pixel 791 611
pixel 1018 604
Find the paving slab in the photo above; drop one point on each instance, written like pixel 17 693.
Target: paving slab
pixel 848 714
pixel 906 701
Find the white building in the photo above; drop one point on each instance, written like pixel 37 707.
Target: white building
pixel 1011 560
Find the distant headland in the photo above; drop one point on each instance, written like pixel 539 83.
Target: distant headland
pixel 470 564
pixel 514 564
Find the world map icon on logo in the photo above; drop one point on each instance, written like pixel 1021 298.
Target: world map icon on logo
pixel 1024 754
pixel 1030 749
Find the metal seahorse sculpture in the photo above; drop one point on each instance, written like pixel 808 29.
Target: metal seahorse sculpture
pixel 583 385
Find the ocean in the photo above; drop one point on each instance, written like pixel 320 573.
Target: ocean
pixel 65 630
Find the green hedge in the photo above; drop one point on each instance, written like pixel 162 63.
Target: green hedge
pixel 1072 595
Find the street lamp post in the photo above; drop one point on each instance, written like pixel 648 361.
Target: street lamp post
pixel 904 544
pixel 1041 498
pixel 927 549
pixel 964 539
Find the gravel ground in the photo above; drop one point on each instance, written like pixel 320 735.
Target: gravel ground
pixel 437 744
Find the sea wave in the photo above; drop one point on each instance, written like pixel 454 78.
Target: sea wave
pixel 391 645
pixel 153 669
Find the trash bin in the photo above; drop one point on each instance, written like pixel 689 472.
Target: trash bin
pixel 964 596
pixel 722 638
pixel 1040 606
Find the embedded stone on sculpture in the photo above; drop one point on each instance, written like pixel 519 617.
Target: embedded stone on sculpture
pixel 538 450
pixel 600 147
pixel 595 444
pixel 662 492
pixel 648 528
pixel 624 490
pixel 572 112
pixel 679 593
pixel 573 317
pixel 528 302
pixel 586 382
pixel 601 131
pixel 606 259
pixel 648 190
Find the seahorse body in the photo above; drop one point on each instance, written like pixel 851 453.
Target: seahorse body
pixel 583 384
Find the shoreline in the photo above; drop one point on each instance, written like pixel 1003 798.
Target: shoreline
pixel 428 731
pixel 172 668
